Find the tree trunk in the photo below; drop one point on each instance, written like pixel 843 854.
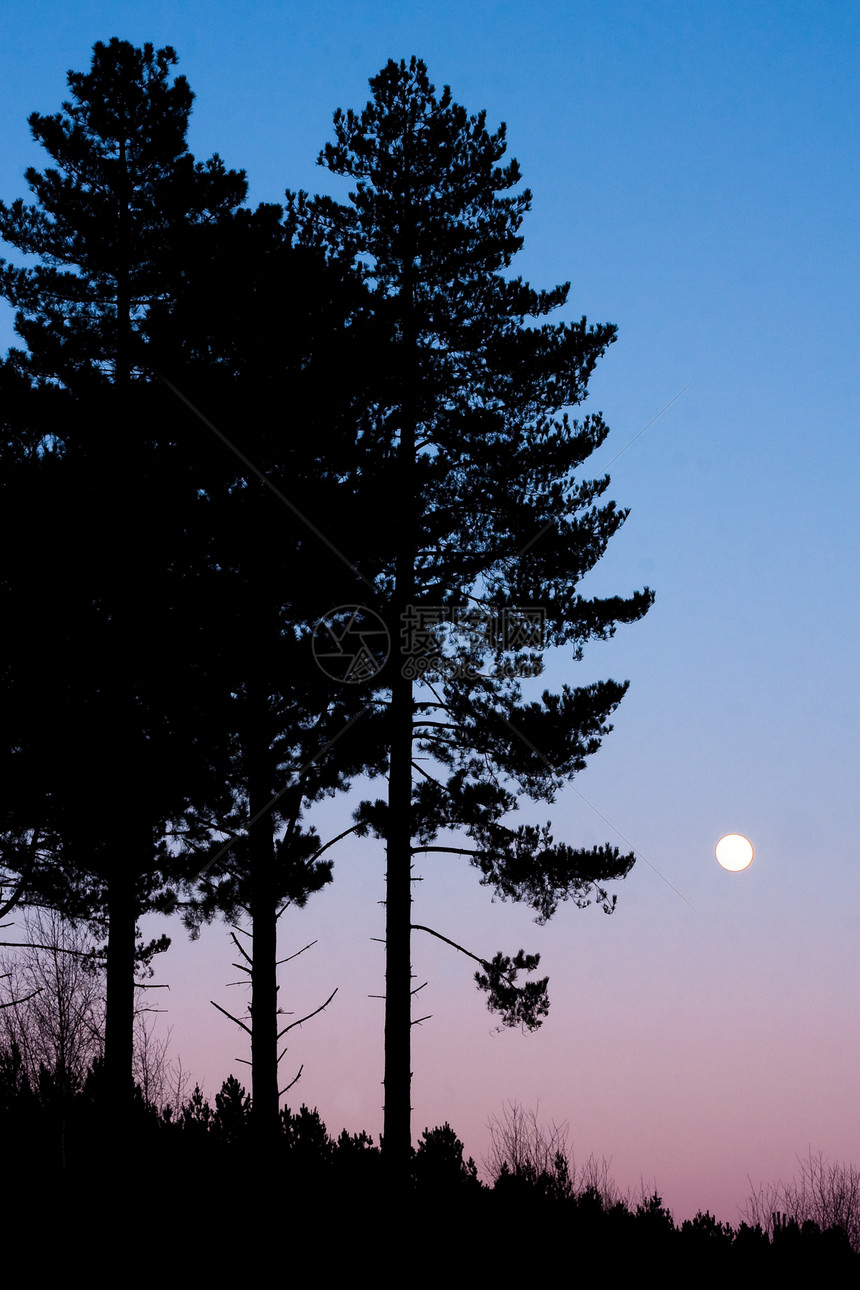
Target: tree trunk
pixel 397 1132
pixel 119 1002
pixel 122 369
pixel 121 898
pixel 264 946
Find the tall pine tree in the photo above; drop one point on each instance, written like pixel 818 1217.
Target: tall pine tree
pixel 469 435
pixel 109 714
pixel 260 344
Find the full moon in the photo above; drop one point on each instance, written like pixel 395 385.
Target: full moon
pixel 734 852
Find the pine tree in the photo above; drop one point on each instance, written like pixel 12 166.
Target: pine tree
pixel 468 434
pixel 108 724
pixel 259 344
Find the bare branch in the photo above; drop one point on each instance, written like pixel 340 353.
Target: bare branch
pixel 418 927
pixel 454 851
pixel 325 847
pixel 422 771
pixel 240 948
pixel 230 1015
pixel 53 949
pixel 297 953
pixel 11 1003
pixel 310 1014
pixel 292 1081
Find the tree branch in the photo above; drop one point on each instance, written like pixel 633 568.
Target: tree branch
pixel 13 1002
pixel 33 945
pixel 292 1081
pixel 296 955
pixel 230 1015
pixel 419 927
pixel 325 847
pixel 455 851
pixel 241 949
pixel 18 893
pixel 308 1017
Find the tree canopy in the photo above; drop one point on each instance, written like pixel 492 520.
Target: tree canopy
pixel 489 521
pixel 377 360
pixel 107 722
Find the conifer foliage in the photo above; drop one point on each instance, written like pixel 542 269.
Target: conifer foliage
pixel 469 432
pixel 111 219
pixel 106 730
pixel 446 466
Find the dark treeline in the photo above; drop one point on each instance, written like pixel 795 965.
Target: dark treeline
pixel 198 1204
pixel 209 1206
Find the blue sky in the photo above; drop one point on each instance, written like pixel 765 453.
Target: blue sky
pixel 694 176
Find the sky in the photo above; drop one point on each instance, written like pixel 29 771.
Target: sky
pixel 693 170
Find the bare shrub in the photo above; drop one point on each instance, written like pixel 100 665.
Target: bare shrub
pixel 52 1008
pixel 827 1192
pixel 52 1000
pixel 162 1081
pixel 522 1147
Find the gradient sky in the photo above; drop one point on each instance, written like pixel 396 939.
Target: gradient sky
pixel 694 175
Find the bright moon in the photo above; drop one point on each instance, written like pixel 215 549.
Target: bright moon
pixel 734 852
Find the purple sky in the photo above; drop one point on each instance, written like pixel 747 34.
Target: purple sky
pixel 694 175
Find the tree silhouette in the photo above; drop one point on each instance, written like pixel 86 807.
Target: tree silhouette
pixel 439 1166
pixel 108 726
pixel 466 434
pixel 270 381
